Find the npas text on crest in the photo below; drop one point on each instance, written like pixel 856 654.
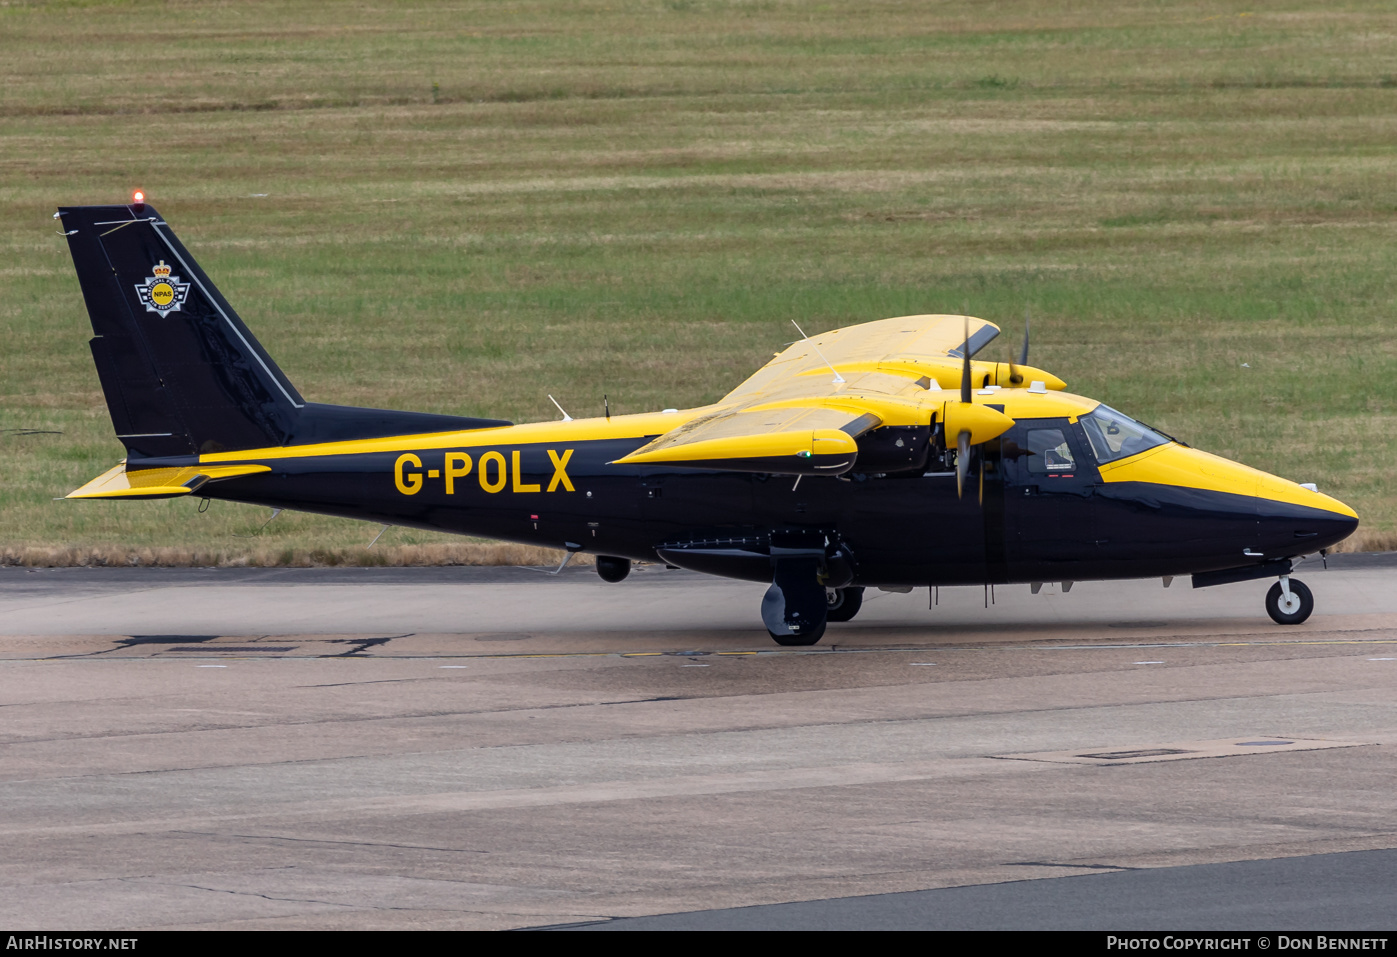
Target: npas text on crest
pixel 162 292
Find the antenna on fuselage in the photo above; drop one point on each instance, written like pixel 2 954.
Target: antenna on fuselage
pixel 606 406
pixel 566 417
pixel 837 376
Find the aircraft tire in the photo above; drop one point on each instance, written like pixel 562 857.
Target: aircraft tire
pixel 613 569
pixel 846 604
pixel 809 638
pixel 1297 610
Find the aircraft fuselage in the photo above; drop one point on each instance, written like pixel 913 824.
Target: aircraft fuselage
pixel 554 484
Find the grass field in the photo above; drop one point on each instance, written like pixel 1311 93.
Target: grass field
pixel 464 207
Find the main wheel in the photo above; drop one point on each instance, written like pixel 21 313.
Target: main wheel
pixel 809 638
pixel 1294 610
pixel 793 608
pixel 844 603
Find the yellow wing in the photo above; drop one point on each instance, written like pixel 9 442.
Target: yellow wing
pixel 908 348
pixel 802 412
pixel 796 440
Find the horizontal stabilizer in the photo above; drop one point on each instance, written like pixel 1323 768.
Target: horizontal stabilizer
pixel 116 482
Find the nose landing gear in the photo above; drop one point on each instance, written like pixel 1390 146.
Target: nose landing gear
pixel 842 604
pixel 613 569
pixel 1289 601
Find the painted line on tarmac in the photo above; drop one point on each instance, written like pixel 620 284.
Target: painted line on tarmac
pixel 212 651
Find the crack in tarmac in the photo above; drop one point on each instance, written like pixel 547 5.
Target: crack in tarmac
pixel 316 840
pixel 236 893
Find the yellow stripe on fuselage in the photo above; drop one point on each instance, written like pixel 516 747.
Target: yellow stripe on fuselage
pixel 1018 402
pixel 578 430
pixel 1174 464
pixel 1171 464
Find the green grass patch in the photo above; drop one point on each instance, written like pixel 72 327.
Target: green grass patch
pixel 465 207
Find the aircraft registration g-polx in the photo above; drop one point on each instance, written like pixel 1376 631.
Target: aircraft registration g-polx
pixel 880 454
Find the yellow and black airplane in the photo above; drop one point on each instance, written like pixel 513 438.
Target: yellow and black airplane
pixel 880 454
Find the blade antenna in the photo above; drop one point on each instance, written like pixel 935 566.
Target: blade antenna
pixel 837 376
pixel 275 513
pixel 566 417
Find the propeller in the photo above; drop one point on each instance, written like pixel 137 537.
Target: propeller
pixel 962 461
pixel 963 439
pixel 965 364
pixel 972 424
pixel 1016 377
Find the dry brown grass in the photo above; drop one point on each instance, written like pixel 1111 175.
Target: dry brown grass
pixel 465 553
pixel 1365 540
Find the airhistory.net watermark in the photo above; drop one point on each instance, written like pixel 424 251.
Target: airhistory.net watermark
pixel 45 942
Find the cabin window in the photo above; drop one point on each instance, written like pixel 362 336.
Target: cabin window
pixel 1115 436
pixel 1049 453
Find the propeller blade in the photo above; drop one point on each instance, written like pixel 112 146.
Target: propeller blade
pixel 965 366
pixel 962 462
pixel 1016 377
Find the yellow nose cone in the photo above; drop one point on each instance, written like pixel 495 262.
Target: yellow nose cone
pixel 1276 489
pixel 1193 468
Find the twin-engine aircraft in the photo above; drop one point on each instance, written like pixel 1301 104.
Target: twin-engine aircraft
pixel 881 454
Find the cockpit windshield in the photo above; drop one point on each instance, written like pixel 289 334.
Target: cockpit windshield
pixel 1115 436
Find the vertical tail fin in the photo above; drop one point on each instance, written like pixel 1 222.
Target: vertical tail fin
pixel 181 372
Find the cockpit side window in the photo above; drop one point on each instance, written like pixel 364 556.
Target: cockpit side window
pixel 1049 453
pixel 1115 436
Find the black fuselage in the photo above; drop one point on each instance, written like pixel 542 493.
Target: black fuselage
pixel 907 528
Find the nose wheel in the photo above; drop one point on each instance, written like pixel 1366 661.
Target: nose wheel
pixel 843 603
pixel 1289 602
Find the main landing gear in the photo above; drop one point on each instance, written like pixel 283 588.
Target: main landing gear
pixel 794 608
pixel 810 586
pixel 795 611
pixel 1289 601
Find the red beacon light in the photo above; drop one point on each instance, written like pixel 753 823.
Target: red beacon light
pixel 138 197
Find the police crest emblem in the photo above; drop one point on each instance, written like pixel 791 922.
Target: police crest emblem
pixel 162 292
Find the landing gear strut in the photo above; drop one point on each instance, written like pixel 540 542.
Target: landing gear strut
pixel 1289 601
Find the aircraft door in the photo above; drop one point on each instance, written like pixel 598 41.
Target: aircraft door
pixel 1050 482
